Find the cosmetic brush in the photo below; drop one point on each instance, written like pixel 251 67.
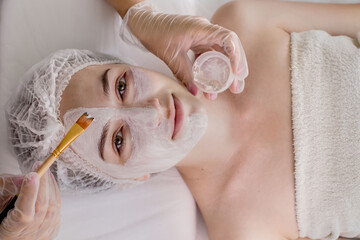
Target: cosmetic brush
pixel 78 128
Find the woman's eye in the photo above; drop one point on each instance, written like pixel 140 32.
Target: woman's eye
pixel 118 140
pixel 121 86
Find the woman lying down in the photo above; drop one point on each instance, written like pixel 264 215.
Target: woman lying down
pixel 278 161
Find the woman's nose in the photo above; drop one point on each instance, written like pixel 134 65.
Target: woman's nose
pixel 161 110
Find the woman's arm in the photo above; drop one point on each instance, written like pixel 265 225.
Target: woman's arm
pixel 121 6
pixel 171 36
pixel 336 19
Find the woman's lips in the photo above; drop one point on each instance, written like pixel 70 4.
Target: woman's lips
pixel 179 116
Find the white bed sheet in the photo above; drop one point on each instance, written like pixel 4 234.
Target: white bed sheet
pixel 162 208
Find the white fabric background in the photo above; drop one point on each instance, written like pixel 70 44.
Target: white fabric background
pixel 161 209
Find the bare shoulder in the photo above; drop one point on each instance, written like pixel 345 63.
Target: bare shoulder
pixel 262 39
pixel 246 17
pixel 336 19
pixel 249 15
pixel 249 21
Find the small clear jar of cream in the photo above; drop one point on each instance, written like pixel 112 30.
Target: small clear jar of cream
pixel 212 72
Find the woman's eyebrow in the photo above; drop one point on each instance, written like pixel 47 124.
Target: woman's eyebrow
pixel 105 82
pixel 102 141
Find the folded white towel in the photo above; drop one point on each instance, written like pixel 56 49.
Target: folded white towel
pixel 325 80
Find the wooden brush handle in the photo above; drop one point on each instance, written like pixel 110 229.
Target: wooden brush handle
pixel 46 165
pixel 11 202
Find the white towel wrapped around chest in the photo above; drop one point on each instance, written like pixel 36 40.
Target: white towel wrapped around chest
pixel 325 81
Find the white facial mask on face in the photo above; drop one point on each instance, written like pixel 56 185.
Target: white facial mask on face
pixel 142 84
pixel 153 150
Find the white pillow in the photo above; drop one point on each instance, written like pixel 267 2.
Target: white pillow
pixel 162 208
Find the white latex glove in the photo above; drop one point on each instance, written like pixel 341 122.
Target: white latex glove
pixel 170 37
pixel 37 210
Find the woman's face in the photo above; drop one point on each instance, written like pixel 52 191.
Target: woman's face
pixel 133 107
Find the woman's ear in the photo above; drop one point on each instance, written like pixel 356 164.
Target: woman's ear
pixel 143 178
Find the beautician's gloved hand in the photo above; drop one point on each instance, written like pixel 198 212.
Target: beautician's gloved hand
pixel 171 36
pixel 36 214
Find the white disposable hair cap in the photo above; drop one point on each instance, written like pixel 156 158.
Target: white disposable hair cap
pixel 35 128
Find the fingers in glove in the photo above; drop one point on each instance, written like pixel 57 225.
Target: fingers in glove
pixel 42 202
pixel 210 96
pixel 54 200
pixel 56 190
pixel 25 203
pixel 51 221
pixel 237 85
pixel 23 213
pixel 232 48
pixel 228 43
pixel 9 186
